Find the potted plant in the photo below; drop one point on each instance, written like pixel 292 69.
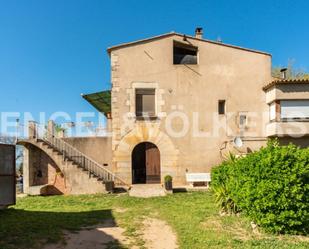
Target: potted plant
pixel 168 182
pixel 109 186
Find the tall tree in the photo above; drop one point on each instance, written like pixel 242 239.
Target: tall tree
pixel 292 72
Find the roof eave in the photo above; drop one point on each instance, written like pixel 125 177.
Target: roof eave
pixel 283 82
pixel 109 49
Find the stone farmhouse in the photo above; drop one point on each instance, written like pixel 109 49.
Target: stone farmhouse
pixel 178 104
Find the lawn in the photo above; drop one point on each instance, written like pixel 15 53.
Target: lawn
pixel 193 216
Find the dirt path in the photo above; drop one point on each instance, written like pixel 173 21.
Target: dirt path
pixel 158 235
pixel 99 237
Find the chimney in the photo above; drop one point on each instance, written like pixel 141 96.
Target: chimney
pixel 199 33
pixel 283 72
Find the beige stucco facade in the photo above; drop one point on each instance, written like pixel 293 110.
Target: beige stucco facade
pixel 186 128
pixel 287 92
pixel 187 100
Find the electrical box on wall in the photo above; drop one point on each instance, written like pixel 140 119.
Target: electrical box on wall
pixel 7 175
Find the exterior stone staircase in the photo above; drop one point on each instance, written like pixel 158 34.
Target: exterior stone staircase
pixel 82 174
pixel 147 190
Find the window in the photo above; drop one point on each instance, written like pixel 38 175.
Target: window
pixel 272 111
pixel 184 54
pixel 243 120
pixel 145 103
pixel 221 107
pixel 294 109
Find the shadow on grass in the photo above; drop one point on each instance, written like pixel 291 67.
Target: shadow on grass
pixel 31 229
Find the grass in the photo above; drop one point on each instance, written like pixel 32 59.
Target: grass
pixel 194 217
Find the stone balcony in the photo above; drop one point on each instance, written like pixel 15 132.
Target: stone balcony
pixel 287 128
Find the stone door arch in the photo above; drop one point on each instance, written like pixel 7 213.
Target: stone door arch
pixel 145 133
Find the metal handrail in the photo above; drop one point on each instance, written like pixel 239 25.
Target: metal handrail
pixel 73 154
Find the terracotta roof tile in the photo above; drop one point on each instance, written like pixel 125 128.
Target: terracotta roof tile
pixel 287 81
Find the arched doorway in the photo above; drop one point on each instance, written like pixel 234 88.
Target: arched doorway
pixel 146 163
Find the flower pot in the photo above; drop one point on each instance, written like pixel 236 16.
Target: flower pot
pixel 109 186
pixel 168 186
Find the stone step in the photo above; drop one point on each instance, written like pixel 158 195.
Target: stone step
pixel 147 190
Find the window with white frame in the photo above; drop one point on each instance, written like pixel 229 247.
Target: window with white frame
pixel 294 109
pixel 272 111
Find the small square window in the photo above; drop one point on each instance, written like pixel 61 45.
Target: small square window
pixel 145 103
pixel 221 107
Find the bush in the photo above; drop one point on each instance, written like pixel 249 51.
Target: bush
pixel 224 200
pixel 168 178
pixel 271 186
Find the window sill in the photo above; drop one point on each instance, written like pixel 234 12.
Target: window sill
pixel 287 120
pixel 141 118
pixel 190 65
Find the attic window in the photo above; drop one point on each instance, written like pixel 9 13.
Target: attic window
pixel 184 54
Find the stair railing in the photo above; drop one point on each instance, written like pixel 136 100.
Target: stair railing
pixel 71 153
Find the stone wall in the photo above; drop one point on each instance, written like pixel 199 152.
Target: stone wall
pixel 97 148
pixel 191 91
pixel 47 172
pixel 42 170
pixel 302 142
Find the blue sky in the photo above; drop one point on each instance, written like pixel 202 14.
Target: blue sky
pixel 52 51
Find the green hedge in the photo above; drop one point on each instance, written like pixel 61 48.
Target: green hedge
pixel 271 186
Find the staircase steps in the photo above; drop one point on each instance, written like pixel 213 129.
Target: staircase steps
pixel 76 158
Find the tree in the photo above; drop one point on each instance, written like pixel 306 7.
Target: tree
pixel 292 72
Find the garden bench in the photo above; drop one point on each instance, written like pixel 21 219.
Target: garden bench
pixel 198 179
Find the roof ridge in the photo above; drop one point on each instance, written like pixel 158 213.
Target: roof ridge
pixel 109 49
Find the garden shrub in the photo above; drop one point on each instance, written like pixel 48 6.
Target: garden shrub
pixel 271 186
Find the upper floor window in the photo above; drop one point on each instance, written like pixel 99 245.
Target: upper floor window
pixel 145 103
pixel 221 107
pixel 184 53
pixel 294 109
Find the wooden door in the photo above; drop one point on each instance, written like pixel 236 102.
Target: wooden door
pixel 153 172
